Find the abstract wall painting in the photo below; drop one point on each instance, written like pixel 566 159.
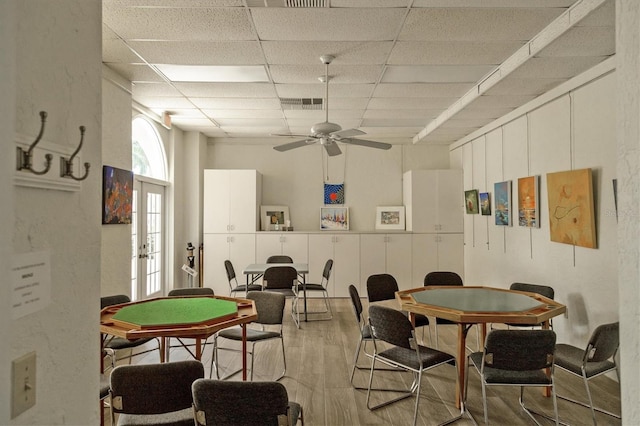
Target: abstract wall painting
pixel 471 201
pixel 334 193
pixel 502 194
pixel 571 208
pixel 334 218
pixel 485 204
pixel 528 203
pixel 117 195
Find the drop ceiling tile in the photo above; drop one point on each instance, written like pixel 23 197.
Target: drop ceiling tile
pixel 240 132
pixel 305 125
pixel 185 113
pixel 422 114
pixel 603 16
pixel 493 3
pixel 501 101
pixel 136 73
pixel 317 90
pixel 555 67
pixel 394 122
pixel 368 3
pixel 473 112
pixel 411 103
pixel 116 51
pixel 227 90
pixel 465 123
pixel 164 102
pixel 452 52
pixel 172 3
pixel 309 52
pixel 200 52
pixel 243 113
pixel 236 103
pixel 583 41
pixel 191 122
pixel 317 116
pixel 155 90
pixel 421 90
pixel 339 74
pixel 250 122
pixel 524 86
pixel 435 73
pixel 391 133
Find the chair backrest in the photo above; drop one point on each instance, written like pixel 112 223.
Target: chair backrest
pixel 231 273
pixel 381 287
pixel 279 277
pixel 221 402
pixel 326 272
pixel 270 306
pixel 279 258
pixel 519 350
pixel 113 300
pixel 356 302
pixel 390 325
pixel 153 388
pixel 543 290
pixel 442 278
pixel 603 343
pixel 194 291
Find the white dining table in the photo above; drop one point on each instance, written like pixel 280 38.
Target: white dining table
pixel 255 271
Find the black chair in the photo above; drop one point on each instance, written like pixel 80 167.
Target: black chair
pixel 234 286
pixel 322 287
pixel 382 287
pixel 542 290
pixel 599 357
pixel 284 280
pixel 190 291
pixel 270 309
pixel 515 358
pixel 394 328
pixel 216 402
pixel 104 394
pixel 279 258
pixel 112 345
pixel 154 394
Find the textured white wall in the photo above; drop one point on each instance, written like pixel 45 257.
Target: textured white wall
pixel 295 178
pixel 58 69
pixel 575 130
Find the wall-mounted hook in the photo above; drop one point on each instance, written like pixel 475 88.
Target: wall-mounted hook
pixel 66 166
pixel 25 158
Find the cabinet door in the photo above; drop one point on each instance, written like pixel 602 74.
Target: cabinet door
pixel 242 200
pixel 296 246
pixel 451 253
pixel 268 244
pixel 398 259
pixel 450 201
pixel 321 248
pixel 424 255
pixel 346 265
pixel 215 202
pixel 216 251
pixel 372 257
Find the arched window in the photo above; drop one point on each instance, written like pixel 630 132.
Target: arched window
pixel 148 158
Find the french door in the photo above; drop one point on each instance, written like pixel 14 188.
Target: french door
pixel 147 240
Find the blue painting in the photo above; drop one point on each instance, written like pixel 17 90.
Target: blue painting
pixel 334 193
pixel 502 194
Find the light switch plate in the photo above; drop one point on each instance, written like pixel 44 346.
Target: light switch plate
pixel 23 390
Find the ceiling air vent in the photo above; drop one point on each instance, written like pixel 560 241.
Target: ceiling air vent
pixel 301 103
pixel 288 3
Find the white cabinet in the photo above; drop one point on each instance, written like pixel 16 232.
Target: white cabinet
pixel 240 249
pixel 436 252
pixel 434 200
pixel 344 249
pixel 271 243
pixel 386 253
pixel 231 201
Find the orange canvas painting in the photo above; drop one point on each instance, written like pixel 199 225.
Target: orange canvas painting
pixel 528 205
pixel 571 213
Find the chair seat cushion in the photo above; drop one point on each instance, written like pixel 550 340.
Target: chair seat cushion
pixel 496 376
pixel 570 358
pixel 253 335
pixel 408 357
pixel 183 417
pixel 121 343
pixel 312 287
pixel 286 291
pixel 243 288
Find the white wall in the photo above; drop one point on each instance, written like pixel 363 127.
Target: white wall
pixel 296 178
pixel 56 50
pixel 574 129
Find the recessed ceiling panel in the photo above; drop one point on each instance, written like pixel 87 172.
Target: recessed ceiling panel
pixel 421 90
pixel 339 74
pixel 317 90
pixel 309 52
pixel 236 103
pixel 200 52
pixel 435 73
pixel 227 90
pixel 452 52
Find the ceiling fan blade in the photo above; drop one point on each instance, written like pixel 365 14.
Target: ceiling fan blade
pixel 347 133
pixel 288 134
pixel 332 149
pixel 295 144
pixel 370 144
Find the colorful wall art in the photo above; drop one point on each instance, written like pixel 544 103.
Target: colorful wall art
pixel 334 218
pixel 485 204
pixel 471 201
pixel 571 213
pixel 117 195
pixel 334 193
pixel 502 194
pixel 528 203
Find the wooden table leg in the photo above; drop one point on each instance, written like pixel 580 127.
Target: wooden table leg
pixel 244 352
pixel 198 349
pixel 163 350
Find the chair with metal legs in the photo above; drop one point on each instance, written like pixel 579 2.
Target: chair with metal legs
pixel 234 286
pixel 323 287
pixel 599 357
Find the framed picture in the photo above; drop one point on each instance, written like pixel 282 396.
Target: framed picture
pixel 334 218
pixel 502 203
pixel 391 217
pixel 117 195
pixel 270 216
pixel 485 204
pixel 471 201
pixel 571 214
pixel 528 203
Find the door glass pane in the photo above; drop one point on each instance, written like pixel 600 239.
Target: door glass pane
pixel 154 242
pixel 134 246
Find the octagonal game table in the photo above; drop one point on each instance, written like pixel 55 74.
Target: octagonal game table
pixel 467 305
pixel 195 317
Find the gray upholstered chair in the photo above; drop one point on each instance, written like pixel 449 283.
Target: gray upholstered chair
pixel 270 309
pixel 190 291
pixel 599 357
pixel 382 287
pixel 283 280
pixel 154 394
pixel 279 258
pixel 515 358
pixel 113 345
pixel 323 287
pixel 394 328
pixel 217 402
pixel 234 286
pixel 543 290
pixel 363 327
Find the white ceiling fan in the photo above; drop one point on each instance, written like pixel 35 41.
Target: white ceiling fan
pixel 330 133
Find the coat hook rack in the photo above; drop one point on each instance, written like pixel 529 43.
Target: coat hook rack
pixel 25 158
pixel 66 166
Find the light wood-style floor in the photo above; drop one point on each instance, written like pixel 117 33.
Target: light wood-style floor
pixel 319 359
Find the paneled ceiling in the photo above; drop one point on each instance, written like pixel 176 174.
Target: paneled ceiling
pixel 405 71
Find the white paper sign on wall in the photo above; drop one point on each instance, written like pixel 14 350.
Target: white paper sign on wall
pixel 31 278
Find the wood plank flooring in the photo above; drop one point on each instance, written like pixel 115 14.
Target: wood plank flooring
pixel 319 359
